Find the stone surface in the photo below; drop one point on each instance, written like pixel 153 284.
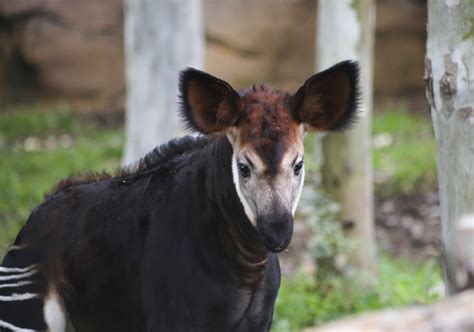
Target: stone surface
pixel 71 49
pixel 253 41
pixel 455 314
pixel 400 47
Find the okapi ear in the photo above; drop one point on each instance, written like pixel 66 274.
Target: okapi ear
pixel 208 104
pixel 329 99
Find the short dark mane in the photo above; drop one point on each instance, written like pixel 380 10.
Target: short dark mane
pixel 159 155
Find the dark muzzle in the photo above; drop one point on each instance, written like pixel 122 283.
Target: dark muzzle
pixel 275 230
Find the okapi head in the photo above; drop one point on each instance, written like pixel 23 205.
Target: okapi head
pixel 266 128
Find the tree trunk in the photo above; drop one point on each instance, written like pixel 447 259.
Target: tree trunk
pixel 449 76
pixel 162 37
pixel 346 31
pixel 451 315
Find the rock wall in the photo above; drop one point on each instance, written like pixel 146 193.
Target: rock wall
pixel 63 49
pixel 71 49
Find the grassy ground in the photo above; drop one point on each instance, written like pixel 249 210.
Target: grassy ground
pixel 305 301
pixel 404 151
pixel 39 147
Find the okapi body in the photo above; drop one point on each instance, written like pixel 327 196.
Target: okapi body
pixel 187 239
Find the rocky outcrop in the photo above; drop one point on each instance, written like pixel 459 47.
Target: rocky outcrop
pixel 74 49
pixel 252 41
pixel 66 49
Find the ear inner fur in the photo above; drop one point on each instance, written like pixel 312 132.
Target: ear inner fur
pixel 208 104
pixel 329 100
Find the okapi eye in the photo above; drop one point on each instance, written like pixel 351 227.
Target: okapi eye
pixel 244 170
pixel 297 168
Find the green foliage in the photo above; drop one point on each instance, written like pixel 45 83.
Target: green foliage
pixel 23 121
pixel 404 151
pixel 36 153
pixel 304 301
pixel 318 213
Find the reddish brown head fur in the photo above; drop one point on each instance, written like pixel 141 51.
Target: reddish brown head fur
pixel 266 124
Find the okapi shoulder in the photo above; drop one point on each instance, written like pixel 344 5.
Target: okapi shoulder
pixel 158 156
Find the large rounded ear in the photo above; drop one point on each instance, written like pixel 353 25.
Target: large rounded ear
pixel 329 99
pixel 208 104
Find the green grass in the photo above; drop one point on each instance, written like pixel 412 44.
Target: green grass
pixel 39 149
pixel 407 160
pixel 38 120
pixel 304 301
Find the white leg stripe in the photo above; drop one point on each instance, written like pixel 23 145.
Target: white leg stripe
pixel 13 247
pixel 18 276
pixel 13 327
pixel 17 269
pixel 18 284
pixel 54 315
pixel 18 297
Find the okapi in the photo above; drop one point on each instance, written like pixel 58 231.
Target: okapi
pixel 187 239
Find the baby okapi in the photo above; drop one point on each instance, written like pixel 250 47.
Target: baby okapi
pixel 187 239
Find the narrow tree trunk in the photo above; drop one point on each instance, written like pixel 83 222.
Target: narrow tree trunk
pixel 450 91
pixel 346 31
pixel 162 37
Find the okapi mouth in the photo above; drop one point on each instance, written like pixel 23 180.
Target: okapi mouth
pixel 275 231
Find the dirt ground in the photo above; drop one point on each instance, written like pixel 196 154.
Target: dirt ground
pixel 409 225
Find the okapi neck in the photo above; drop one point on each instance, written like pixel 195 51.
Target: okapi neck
pixel 232 229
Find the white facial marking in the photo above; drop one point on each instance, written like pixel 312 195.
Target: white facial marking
pixel 13 327
pixel 53 312
pixel 257 194
pixel 298 193
pixel 235 176
pixel 287 187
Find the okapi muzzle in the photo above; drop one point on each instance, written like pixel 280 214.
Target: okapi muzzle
pixel 266 128
pixel 275 228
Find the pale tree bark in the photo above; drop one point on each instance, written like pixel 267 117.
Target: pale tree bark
pixel 346 31
pixel 449 75
pixel 162 37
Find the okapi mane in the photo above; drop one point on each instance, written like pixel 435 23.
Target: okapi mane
pixel 159 155
pixel 164 153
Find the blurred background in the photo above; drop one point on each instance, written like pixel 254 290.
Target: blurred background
pixel 62 111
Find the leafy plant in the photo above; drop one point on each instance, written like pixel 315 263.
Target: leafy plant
pixel 304 300
pixel 404 151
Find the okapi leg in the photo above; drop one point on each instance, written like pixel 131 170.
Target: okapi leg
pixel 25 303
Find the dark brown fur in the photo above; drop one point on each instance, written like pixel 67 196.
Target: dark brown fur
pixel 158 156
